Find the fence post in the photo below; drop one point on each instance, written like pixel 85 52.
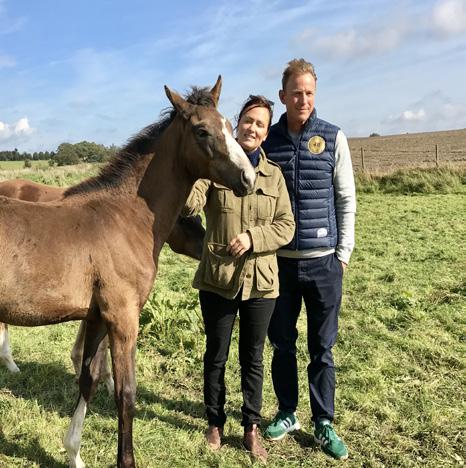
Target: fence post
pixel 362 159
pixel 436 155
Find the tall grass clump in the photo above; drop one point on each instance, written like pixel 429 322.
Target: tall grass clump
pixel 57 176
pixel 409 181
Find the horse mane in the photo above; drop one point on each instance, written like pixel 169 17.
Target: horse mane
pixel 122 164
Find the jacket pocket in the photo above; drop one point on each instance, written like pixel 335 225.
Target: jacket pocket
pixel 225 198
pixel 220 268
pixel 266 273
pixel 266 203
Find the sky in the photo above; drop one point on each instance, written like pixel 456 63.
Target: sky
pixel 95 69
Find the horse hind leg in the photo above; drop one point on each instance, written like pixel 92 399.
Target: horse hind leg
pixel 78 349
pixel 89 376
pixel 105 369
pixel 5 351
pixel 105 373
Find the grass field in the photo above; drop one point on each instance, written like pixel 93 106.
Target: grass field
pixel 12 165
pixel 391 152
pixel 400 359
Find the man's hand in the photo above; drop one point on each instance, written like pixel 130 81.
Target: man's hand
pixel 344 265
pixel 240 244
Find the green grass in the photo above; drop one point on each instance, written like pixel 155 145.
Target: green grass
pixel 400 398
pixel 15 165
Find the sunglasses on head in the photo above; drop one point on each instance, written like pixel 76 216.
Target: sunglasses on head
pixel 261 98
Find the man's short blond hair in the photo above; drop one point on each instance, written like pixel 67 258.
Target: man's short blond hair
pixel 297 67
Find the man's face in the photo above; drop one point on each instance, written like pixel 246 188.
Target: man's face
pixel 298 97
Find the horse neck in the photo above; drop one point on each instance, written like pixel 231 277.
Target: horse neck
pixel 165 183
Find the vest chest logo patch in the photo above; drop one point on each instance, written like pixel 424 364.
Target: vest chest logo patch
pixel 316 144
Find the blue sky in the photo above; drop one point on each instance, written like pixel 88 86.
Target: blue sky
pixel 95 70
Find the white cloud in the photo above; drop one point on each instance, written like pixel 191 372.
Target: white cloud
pixel 449 17
pixel 16 131
pixel 409 115
pixel 355 42
pixel 434 111
pixel 9 25
pixel 389 31
pixel 6 61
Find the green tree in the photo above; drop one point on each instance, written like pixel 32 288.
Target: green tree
pixel 66 155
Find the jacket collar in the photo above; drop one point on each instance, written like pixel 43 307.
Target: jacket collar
pixel 263 167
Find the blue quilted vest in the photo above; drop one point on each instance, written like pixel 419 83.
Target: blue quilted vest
pixel 309 179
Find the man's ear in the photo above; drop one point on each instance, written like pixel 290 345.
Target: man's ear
pixel 183 107
pixel 281 95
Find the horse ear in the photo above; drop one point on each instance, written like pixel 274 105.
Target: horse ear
pixel 182 106
pixel 215 91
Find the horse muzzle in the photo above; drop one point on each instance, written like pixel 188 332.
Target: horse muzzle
pixel 246 184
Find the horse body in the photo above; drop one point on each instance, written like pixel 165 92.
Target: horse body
pixel 29 190
pixel 186 237
pixel 104 238
pixel 68 280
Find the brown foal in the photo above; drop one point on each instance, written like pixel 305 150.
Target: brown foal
pixel 93 255
pixel 185 238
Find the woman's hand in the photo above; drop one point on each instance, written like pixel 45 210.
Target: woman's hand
pixel 239 244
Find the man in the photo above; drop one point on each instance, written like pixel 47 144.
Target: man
pixel 316 162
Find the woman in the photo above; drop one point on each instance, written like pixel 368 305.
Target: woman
pixel 238 272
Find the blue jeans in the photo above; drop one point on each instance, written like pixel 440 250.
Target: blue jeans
pixel 319 282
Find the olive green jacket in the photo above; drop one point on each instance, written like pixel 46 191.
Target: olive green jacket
pixel 265 213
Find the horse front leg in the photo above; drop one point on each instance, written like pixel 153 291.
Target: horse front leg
pixel 123 337
pixel 5 351
pixel 95 331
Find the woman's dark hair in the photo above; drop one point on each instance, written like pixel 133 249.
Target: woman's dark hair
pixel 256 101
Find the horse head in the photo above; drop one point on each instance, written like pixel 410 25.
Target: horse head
pixel 210 150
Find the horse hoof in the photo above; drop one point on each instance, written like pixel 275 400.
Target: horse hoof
pixel 10 365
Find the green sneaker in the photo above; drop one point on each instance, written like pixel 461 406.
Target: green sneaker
pixel 331 444
pixel 282 424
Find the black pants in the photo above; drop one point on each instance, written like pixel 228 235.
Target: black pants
pixel 319 282
pixel 219 316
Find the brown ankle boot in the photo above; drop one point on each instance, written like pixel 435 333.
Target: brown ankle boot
pixel 213 437
pixel 253 444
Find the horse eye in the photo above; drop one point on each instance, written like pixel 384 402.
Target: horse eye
pixel 202 133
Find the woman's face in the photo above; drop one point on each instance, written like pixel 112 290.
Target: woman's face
pixel 253 128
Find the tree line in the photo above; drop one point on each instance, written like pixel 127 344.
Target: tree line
pixel 66 154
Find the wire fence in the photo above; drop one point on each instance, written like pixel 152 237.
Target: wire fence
pixel 387 159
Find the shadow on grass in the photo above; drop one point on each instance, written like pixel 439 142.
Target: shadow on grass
pixel 54 388
pixel 188 408
pixel 32 452
pixel 304 439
